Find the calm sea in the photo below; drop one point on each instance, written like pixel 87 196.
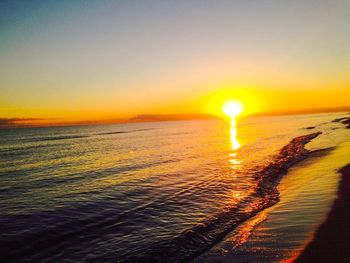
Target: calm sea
pixel 161 191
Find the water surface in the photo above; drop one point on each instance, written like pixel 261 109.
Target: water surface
pixel 110 192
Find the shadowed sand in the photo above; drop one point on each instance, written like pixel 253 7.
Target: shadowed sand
pixel 331 241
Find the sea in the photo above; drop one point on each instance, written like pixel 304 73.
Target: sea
pixel 250 190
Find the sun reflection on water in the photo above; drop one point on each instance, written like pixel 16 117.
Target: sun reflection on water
pixel 234 144
pixel 233 132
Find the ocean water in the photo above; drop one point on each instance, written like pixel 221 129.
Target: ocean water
pixel 161 191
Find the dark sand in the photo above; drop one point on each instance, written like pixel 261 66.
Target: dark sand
pixel 332 240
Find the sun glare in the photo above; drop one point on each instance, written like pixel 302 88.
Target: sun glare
pixel 232 108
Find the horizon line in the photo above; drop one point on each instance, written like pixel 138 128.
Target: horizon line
pixel 8 123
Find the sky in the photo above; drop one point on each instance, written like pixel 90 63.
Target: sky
pixel 79 60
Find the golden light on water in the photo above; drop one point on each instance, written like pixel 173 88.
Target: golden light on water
pixel 232 109
pixel 233 136
pixel 244 231
pixel 234 161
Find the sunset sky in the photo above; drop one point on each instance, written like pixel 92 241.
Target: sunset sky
pixel 79 60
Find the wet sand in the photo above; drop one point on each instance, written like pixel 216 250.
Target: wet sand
pixel 331 242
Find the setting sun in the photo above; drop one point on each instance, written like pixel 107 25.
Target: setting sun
pixel 232 108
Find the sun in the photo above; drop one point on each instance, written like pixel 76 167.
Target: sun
pixel 232 108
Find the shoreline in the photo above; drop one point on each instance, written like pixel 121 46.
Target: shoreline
pixel 307 193
pixel 249 240
pixel 330 242
pixel 196 241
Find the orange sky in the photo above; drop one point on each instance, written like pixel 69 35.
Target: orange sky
pixel 116 60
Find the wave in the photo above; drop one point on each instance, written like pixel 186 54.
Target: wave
pixel 55 138
pixel 115 132
pixel 121 132
pixel 80 177
pixel 67 137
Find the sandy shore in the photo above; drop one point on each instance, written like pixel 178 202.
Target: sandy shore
pixel 332 240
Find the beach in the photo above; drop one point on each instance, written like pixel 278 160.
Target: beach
pixel 331 241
